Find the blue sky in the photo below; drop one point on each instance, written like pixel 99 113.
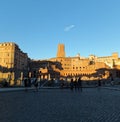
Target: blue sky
pixel 84 26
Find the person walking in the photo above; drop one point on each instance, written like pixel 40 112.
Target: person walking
pixel 71 85
pixel 75 84
pixel 36 84
pixel 112 81
pixel 25 84
pixel 99 82
pixel 79 84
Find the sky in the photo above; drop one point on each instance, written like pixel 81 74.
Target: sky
pixel 83 26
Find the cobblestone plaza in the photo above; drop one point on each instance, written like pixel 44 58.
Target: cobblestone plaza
pixel 60 105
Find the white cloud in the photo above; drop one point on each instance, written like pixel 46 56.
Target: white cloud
pixel 68 28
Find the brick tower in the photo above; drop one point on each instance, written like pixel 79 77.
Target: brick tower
pixel 61 50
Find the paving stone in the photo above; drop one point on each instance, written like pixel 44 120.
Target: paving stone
pixel 60 105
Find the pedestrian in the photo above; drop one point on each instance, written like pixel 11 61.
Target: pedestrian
pixel 29 82
pixel 75 84
pixel 25 84
pixel 71 85
pixel 62 84
pixel 79 84
pixel 112 81
pixel 36 84
pixel 99 82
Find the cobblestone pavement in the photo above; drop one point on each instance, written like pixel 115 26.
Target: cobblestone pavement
pixel 60 105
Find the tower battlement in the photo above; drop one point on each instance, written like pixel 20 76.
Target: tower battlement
pixel 61 50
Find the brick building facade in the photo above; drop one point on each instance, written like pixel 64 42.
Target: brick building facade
pixel 13 62
pixel 15 65
pixel 90 68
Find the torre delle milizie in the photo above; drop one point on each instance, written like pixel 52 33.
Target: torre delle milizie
pixel 15 65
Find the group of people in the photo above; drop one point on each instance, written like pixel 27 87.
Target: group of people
pixel 27 83
pixel 77 84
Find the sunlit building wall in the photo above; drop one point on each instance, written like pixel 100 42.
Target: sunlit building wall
pixel 91 66
pixel 62 66
pixel 13 61
pixel 15 64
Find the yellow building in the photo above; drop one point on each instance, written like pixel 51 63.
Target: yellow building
pixel 12 62
pixel 15 65
pixel 92 67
